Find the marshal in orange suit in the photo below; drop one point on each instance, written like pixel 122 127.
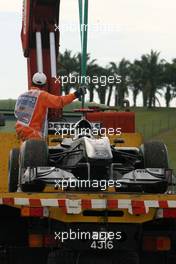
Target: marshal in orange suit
pixel 31 108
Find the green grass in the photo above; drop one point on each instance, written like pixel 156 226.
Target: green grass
pixel 10 104
pixel 9 127
pixel 159 124
pixel 152 122
pixel 7 104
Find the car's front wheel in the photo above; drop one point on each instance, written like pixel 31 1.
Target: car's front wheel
pixel 33 153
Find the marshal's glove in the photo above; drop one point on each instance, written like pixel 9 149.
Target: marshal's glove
pixel 80 91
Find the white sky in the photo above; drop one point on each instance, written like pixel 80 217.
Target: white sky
pixel 141 25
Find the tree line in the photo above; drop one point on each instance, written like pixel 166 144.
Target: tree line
pixel 149 75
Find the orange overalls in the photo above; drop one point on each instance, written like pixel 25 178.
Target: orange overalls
pixel 31 108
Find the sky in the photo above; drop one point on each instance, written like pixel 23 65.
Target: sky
pixel 135 27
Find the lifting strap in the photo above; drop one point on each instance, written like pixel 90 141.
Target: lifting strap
pixel 83 17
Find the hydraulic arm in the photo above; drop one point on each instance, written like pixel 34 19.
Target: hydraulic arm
pixel 40 41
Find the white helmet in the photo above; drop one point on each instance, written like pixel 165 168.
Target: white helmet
pixel 39 78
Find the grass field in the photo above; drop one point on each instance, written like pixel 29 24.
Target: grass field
pixel 152 122
pixel 10 126
pixel 7 104
pixel 159 123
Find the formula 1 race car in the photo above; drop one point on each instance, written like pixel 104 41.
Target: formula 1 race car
pixel 89 160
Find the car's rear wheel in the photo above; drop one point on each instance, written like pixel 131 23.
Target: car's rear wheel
pixel 34 153
pixel 13 170
pixel 155 155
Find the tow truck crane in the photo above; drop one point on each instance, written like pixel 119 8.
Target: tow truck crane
pixel 50 226
pixel 40 41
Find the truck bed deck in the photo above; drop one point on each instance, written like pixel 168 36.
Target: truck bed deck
pixel 88 207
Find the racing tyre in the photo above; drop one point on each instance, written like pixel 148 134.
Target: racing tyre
pixel 33 153
pixel 13 170
pixel 155 155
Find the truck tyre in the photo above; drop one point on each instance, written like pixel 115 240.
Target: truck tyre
pixel 13 170
pixel 62 257
pixel 33 153
pixel 155 155
pixel 128 257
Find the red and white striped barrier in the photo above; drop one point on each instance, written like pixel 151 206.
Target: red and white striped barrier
pixel 134 207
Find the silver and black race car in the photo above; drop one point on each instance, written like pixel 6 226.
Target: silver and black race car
pixel 83 162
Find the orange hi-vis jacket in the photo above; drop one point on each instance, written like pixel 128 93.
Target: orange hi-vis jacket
pixel 31 108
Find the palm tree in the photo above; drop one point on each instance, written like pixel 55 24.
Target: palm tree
pixel 148 75
pixel 68 64
pixel 169 77
pixel 111 71
pixel 122 88
pixel 151 77
pixel 102 86
pixel 135 80
pixel 92 70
